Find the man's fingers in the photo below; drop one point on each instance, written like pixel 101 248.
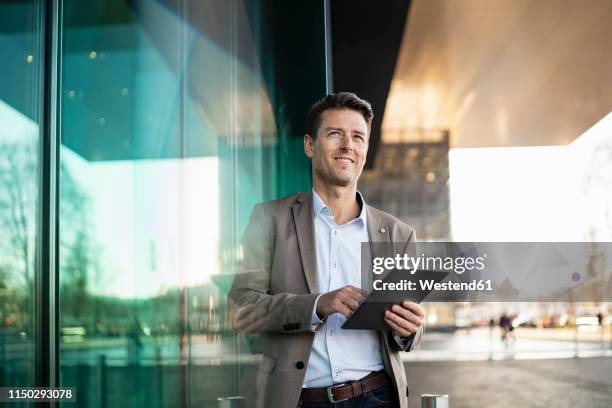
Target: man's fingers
pixel 350 303
pixel 352 296
pixel 414 307
pixel 396 328
pixel 339 305
pixel 358 292
pixel 345 310
pixel 408 315
pixel 399 330
pixel 400 321
pixel 344 300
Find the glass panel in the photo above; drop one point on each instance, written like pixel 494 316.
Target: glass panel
pixel 20 93
pixel 170 134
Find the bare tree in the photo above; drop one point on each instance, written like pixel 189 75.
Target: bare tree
pixel 19 201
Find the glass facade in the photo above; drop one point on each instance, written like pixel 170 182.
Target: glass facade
pixel 175 118
pixel 20 137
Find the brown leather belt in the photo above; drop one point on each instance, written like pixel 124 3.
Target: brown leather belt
pixel 344 391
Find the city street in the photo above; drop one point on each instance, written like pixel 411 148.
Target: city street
pixel 536 369
pixel 526 343
pixel 584 382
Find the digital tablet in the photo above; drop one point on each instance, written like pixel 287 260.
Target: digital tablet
pixel 370 315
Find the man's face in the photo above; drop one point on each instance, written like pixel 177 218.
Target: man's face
pixel 339 152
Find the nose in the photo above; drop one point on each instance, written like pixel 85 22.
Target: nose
pixel 347 143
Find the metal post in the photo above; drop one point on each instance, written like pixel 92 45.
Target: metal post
pixel 434 401
pixel 231 402
pixel 46 333
pixel 4 364
pixel 160 376
pixel 491 326
pixel 602 333
pixel 575 340
pixel 102 371
pixel 610 326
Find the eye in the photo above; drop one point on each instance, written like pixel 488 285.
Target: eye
pixel 359 138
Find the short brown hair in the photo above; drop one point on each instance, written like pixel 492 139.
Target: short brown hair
pixel 340 100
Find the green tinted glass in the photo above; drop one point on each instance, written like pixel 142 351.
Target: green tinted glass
pixel 20 95
pixel 173 125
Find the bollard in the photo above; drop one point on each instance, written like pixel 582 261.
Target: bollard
pixel 434 401
pixel 103 380
pixel 160 376
pixel 231 402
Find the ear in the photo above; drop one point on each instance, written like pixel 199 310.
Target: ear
pixel 308 146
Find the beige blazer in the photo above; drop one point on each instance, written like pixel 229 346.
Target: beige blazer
pixel 274 292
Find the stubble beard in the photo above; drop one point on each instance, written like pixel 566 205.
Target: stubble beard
pixel 329 177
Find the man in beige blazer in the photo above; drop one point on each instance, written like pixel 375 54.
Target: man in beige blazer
pixel 299 280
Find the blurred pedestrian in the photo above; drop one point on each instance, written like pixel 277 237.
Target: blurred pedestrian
pixel 504 325
pixel 492 325
pixel 510 335
pixel 600 319
pixel 135 345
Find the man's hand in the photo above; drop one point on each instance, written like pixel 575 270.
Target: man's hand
pixel 405 319
pixel 344 300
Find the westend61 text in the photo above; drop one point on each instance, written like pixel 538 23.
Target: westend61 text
pixel 429 285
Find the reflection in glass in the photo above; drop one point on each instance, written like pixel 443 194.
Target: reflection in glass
pixel 168 140
pixel 20 53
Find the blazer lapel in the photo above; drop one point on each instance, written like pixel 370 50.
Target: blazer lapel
pixel 304 226
pixel 378 232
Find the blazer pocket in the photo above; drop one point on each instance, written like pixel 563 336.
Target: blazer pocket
pixel 267 364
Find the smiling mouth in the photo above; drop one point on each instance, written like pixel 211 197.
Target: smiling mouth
pixel 344 159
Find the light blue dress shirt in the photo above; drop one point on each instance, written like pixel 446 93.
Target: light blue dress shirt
pixel 339 355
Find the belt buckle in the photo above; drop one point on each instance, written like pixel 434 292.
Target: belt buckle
pixel 330 394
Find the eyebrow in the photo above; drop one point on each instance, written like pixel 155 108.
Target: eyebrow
pixel 327 129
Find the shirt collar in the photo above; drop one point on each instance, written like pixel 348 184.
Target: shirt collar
pixel 318 205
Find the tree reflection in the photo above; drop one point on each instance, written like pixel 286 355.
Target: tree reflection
pixel 18 222
pixel 19 205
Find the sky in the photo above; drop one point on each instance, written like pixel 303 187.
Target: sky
pixel 531 193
